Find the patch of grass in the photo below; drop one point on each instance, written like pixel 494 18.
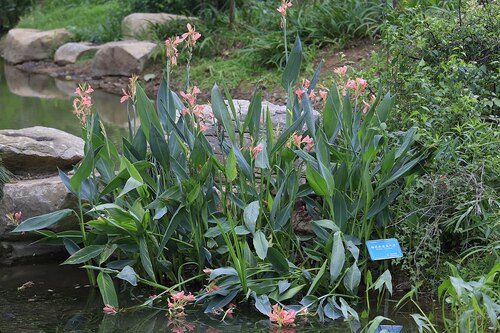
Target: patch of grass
pixel 94 21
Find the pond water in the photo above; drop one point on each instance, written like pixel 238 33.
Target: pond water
pixel 39 100
pixel 60 299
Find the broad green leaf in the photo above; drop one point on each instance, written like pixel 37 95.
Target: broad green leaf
pixel 218 302
pixel 375 323
pixel 260 244
pixel 395 174
pixel 290 293
pixel 292 68
pixel 384 280
pixel 352 278
pixel 84 169
pixel 109 249
pixel 252 120
pixel 230 167
pixel 262 160
pixel 316 181
pixel 384 108
pixel 262 304
pixel 146 259
pixel 221 113
pixel 242 162
pixel 251 214
pixel 337 258
pixel 130 185
pixel 331 112
pixel 317 279
pixel 286 135
pixel 278 261
pixel 308 111
pixel 340 212
pixel 128 274
pixel 43 221
pixel 159 148
pixel 107 289
pixel 147 113
pixel 84 254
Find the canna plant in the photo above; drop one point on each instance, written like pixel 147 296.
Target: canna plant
pixel 197 190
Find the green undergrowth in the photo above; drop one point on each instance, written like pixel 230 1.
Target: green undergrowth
pixel 94 21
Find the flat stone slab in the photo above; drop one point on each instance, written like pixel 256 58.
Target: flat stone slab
pixel 39 150
pixel 69 53
pixel 35 197
pixel 136 25
pixel 23 45
pixel 122 58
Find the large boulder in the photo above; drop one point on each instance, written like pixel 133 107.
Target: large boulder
pixel 69 53
pixel 137 25
pixel 31 44
pixel 122 58
pixel 39 150
pixel 34 197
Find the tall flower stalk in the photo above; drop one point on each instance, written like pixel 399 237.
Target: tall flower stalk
pixel 285 4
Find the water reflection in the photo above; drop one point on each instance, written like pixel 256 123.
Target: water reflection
pixel 34 99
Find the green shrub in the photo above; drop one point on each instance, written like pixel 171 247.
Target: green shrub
pixel 11 11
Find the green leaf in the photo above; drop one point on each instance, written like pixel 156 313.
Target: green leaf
pixel 252 120
pixel 242 162
pixel 251 214
pixel 218 302
pixel 84 254
pixel 317 279
pixel 84 169
pixel 159 147
pixel 146 259
pixel 331 112
pixel 130 185
pixel 290 293
pixel 286 135
pixel 375 323
pixel 108 251
pixel 260 243
pixel 384 280
pixel 230 167
pixel 337 258
pixel 147 113
pixel 292 68
pixel 352 278
pixel 340 210
pixel 262 160
pixel 278 261
pixel 316 181
pixel 128 274
pixel 107 289
pixel 222 114
pixel 43 221
pixel 262 304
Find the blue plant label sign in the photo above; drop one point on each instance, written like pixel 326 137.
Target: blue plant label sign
pixel 389 329
pixel 381 249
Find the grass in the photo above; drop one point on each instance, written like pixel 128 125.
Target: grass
pixel 92 21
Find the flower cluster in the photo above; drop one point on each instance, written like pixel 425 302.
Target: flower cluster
pixel 282 317
pixel 82 104
pixel 356 86
pixel 177 303
pixel 202 117
pixel 130 94
pixel 297 140
pixel 285 4
pixel 257 149
pixel 300 91
pixel 179 325
pixel 190 38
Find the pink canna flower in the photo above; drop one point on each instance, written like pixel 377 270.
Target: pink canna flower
pixel 285 4
pixel 309 142
pixel 360 84
pixel 191 36
pixel 297 139
pixel 299 92
pixel 312 95
pixel 306 83
pixel 171 49
pixel 109 310
pixel 257 149
pixel 82 104
pixel 124 97
pixel 282 317
pixel 323 94
pixel 17 216
pixel 180 296
pixel 367 107
pixel 207 270
pixel 341 71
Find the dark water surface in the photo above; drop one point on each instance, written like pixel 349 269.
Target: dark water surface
pixel 61 301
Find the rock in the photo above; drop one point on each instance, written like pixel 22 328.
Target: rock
pixel 31 44
pixel 26 252
pixel 136 25
pixel 122 58
pixel 39 149
pixel 35 197
pixel 26 84
pixel 70 52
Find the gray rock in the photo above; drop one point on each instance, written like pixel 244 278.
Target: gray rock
pixel 70 52
pixel 39 149
pixel 136 25
pixel 31 44
pixel 35 197
pixel 22 252
pixel 122 58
